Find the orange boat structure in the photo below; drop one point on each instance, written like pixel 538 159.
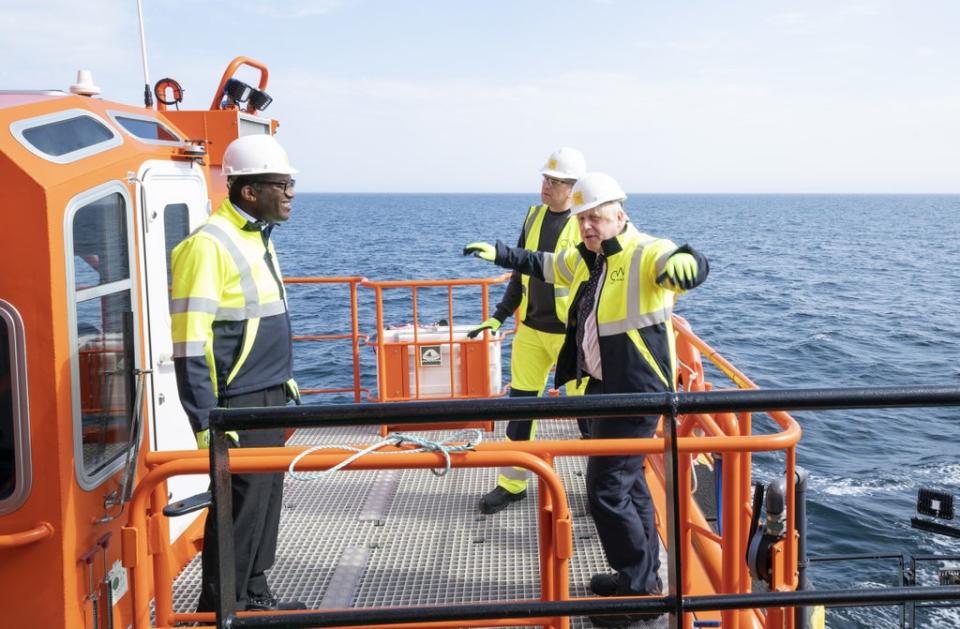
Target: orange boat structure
pixel 94 445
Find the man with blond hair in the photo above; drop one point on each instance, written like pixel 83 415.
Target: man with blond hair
pixel 620 335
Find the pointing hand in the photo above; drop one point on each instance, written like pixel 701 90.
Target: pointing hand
pixel 482 250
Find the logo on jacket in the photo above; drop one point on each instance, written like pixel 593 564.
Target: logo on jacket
pixel 565 243
pixel 617 275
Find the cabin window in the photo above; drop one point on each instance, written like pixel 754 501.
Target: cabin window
pixel 65 136
pixel 145 128
pixel 104 331
pixel 14 427
pixel 176 227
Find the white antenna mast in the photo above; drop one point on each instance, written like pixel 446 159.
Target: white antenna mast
pixel 147 94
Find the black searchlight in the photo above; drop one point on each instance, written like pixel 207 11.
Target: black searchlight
pixel 935 504
pixel 260 100
pixel 237 91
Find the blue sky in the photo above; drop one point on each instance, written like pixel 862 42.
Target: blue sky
pixel 451 96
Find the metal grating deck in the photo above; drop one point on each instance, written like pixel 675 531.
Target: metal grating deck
pixel 407 537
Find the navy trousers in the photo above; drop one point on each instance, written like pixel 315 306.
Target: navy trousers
pixel 257 500
pixel 621 505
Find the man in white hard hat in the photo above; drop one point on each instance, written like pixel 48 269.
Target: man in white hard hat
pixel 233 348
pixel 619 334
pixel 541 310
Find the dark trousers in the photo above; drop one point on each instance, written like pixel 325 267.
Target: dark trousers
pixel 521 429
pixel 621 505
pixel 257 500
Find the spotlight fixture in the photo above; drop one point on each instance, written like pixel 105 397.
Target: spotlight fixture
pixel 260 100
pixel 936 504
pixel 237 91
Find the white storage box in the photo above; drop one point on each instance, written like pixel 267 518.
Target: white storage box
pixel 431 356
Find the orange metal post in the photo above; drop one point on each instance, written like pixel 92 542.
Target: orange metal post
pixel 355 330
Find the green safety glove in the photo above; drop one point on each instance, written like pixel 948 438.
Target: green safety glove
pixel 293 392
pixel 680 272
pixel 203 438
pixel 493 324
pixel 482 250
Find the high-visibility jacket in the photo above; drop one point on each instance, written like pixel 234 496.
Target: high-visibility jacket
pixel 637 344
pixel 517 294
pixel 229 318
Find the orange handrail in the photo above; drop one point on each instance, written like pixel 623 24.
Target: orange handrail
pixel 414 285
pixel 354 336
pixel 231 70
pixel 140 534
pixel 720 556
pixel 40 532
pixel 737 481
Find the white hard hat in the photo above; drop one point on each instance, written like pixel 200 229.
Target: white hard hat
pixel 593 190
pixel 256 155
pixel 565 163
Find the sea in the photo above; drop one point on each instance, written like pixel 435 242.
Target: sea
pixel 804 291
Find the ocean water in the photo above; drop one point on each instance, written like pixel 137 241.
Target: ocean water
pixel 804 291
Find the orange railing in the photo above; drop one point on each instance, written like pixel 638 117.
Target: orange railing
pixel 731 435
pixel 393 359
pixel 354 336
pixel 713 563
pixel 142 535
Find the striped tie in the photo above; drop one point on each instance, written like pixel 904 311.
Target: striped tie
pixel 584 310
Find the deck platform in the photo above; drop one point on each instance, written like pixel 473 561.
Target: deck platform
pixel 407 537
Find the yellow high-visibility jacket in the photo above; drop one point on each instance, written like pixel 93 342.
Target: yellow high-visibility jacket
pixel 518 292
pixel 637 346
pixel 229 318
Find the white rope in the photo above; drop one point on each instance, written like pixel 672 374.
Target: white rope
pixel 463 440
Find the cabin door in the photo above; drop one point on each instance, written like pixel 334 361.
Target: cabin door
pixel 175 202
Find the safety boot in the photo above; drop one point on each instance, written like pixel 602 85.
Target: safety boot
pixel 271 603
pixel 604 584
pixel 499 499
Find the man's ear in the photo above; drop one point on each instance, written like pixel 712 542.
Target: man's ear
pixel 248 192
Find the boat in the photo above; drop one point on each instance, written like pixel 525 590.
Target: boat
pixel 103 492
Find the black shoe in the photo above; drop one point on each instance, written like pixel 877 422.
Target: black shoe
pixel 272 604
pixel 621 620
pixel 499 499
pixel 604 584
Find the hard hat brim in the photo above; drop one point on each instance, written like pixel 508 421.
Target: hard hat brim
pixel 556 174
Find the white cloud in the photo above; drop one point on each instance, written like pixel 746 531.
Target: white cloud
pixel 369 135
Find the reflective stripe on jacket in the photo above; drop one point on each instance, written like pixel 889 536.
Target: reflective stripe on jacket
pixel 229 319
pixel 637 345
pixel 569 237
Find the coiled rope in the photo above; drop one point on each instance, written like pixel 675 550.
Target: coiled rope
pixel 461 441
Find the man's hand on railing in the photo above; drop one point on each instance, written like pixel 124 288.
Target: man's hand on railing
pixel 203 438
pixel 493 324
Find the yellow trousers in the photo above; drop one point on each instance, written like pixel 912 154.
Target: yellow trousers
pixel 533 354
